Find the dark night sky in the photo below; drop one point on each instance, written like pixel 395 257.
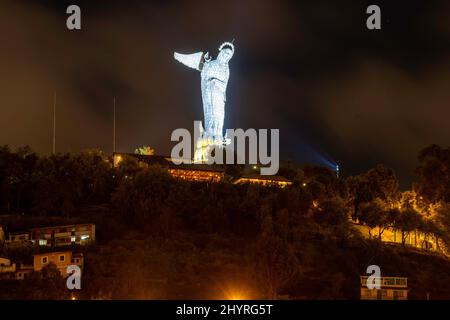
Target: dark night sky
pixel 337 91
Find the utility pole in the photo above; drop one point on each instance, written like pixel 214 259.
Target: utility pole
pixel 54 124
pixel 114 126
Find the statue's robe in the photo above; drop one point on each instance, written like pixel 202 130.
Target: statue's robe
pixel 214 80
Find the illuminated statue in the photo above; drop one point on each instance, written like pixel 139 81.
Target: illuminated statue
pixel 214 79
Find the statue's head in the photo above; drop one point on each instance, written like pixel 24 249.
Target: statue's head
pixel 226 51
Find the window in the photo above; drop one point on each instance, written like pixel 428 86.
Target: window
pixel 62 258
pixel 401 282
pixel 73 239
pixel 44 260
pixel 42 242
pixel 85 237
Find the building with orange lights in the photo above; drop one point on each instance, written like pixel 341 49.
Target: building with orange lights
pixel 191 172
pixel 197 173
pixel 62 260
pixel 7 268
pixel 266 181
pixel 58 236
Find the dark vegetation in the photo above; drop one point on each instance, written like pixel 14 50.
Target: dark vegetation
pixel 161 238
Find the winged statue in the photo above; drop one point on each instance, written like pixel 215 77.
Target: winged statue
pixel 214 75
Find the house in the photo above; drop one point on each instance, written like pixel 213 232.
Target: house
pixel 2 235
pixel 277 181
pixel 19 238
pixel 58 236
pixel 61 259
pixel 197 172
pixel 7 269
pixel 391 288
pixel 23 271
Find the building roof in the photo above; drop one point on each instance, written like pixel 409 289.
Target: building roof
pixel 51 252
pixel 150 159
pixel 61 226
pixel 15 233
pixel 197 167
pixel 166 161
pixel 265 178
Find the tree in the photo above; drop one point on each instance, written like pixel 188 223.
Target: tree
pixel 373 214
pixel 145 150
pixel 379 182
pixel 17 178
pixel 434 174
pixel 142 199
pixel 48 284
pixel 323 183
pixel 332 217
pixel 275 261
pixel 408 220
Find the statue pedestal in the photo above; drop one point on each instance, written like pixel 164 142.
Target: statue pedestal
pixel 204 148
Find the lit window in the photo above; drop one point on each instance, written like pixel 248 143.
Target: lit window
pixel 42 242
pixel 73 239
pixel 85 237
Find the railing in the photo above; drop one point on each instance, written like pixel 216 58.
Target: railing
pixel 6 269
pixel 393 282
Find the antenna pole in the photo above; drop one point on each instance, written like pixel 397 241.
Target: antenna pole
pixel 114 126
pixel 54 124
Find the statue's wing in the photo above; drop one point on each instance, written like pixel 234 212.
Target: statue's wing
pixel 190 60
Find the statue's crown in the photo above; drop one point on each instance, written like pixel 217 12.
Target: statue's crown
pixel 227 45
